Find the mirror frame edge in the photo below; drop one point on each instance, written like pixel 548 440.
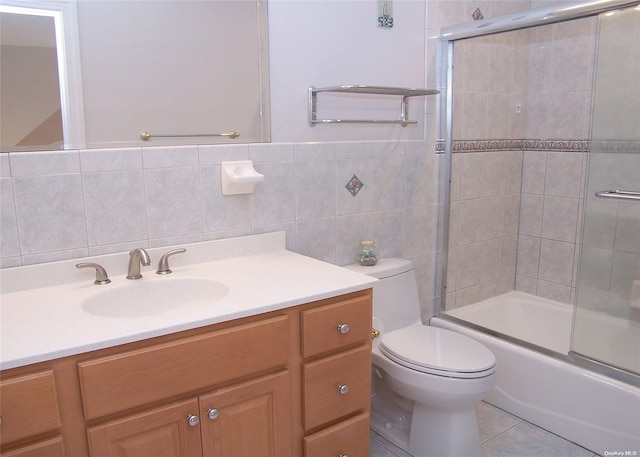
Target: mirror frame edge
pixel 65 16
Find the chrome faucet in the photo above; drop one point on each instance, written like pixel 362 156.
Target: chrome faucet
pixel 163 265
pixel 136 257
pixel 101 275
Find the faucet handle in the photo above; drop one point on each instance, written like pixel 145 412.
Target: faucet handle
pixel 163 264
pixel 101 273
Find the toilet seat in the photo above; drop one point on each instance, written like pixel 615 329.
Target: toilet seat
pixel 438 351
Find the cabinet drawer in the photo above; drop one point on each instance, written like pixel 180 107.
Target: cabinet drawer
pixel 320 326
pixel 28 406
pixel 350 437
pixel 48 448
pixel 135 378
pixel 323 400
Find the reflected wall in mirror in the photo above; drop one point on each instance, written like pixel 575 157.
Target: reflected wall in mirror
pixel 31 116
pixel 188 68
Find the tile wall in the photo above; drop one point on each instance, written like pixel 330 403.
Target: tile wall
pixel 535 114
pixel 483 233
pixel 61 205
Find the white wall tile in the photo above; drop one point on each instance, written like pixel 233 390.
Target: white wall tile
pixel 173 201
pixel 560 218
pixel 388 231
pixel 533 172
pixel 115 206
pixel 222 212
pixel 273 200
pixel 627 228
pixel 563 174
pixel 556 261
pixel 110 159
pixel 50 213
pixel 493 213
pixel 170 156
pixel 9 241
pixel 317 238
pixel 389 176
pixel 44 163
pixel 5 167
pixel 420 224
pixel 315 187
pixel 528 256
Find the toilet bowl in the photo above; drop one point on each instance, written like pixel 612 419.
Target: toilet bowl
pixel 426 381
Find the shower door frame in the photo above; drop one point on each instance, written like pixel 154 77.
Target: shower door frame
pixel 447 37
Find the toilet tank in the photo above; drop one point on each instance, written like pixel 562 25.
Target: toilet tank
pixel 395 295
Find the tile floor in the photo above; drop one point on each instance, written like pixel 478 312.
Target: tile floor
pixel 501 435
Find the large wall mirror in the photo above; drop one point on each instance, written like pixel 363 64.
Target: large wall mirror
pixel 133 73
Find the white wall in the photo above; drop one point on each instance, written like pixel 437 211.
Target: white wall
pixel 329 43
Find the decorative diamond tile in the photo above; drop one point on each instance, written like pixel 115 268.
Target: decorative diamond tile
pixel 477 15
pixel 354 185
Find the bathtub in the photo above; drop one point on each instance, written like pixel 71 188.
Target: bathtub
pixel 592 410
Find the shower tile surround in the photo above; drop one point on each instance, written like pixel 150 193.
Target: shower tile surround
pixel 59 205
pixel 522 116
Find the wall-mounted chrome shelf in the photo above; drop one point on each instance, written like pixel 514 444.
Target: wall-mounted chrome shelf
pixel 402 92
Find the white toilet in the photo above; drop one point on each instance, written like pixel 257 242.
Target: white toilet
pixel 426 381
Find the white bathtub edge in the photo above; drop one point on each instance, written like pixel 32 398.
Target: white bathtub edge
pixel 596 412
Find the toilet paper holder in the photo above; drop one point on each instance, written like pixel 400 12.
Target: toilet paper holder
pixel 239 177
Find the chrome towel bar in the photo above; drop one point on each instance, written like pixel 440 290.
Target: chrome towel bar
pixel 404 93
pixel 146 136
pixel 619 194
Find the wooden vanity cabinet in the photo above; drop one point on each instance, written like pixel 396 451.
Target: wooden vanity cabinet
pixel 265 385
pixel 29 412
pixel 336 378
pixel 248 419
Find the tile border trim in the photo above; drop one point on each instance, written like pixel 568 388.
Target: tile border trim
pixel 553 145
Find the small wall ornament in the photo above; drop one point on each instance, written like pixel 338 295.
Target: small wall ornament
pixel 385 13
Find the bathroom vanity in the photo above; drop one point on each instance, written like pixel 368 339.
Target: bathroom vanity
pixel 288 374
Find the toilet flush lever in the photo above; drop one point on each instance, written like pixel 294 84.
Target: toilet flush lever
pixel 375 333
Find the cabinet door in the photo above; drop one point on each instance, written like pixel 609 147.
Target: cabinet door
pixel 248 419
pixel 159 432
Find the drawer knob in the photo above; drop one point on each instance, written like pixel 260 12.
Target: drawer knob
pixel 213 413
pixel 343 389
pixel 343 328
pixel 343 455
pixel 193 420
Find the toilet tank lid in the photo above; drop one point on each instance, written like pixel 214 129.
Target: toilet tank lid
pixel 384 268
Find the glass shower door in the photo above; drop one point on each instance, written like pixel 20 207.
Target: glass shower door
pixel 606 324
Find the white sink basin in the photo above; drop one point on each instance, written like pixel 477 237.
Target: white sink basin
pixel 147 297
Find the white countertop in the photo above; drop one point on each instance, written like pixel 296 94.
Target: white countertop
pixel 42 317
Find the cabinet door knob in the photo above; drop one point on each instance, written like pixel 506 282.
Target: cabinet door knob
pixel 193 420
pixel 343 328
pixel 343 455
pixel 343 389
pixel 213 413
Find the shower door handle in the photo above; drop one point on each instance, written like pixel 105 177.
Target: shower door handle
pixel 619 194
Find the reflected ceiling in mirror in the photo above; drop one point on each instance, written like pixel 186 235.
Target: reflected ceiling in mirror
pixel 182 71
pixel 31 116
